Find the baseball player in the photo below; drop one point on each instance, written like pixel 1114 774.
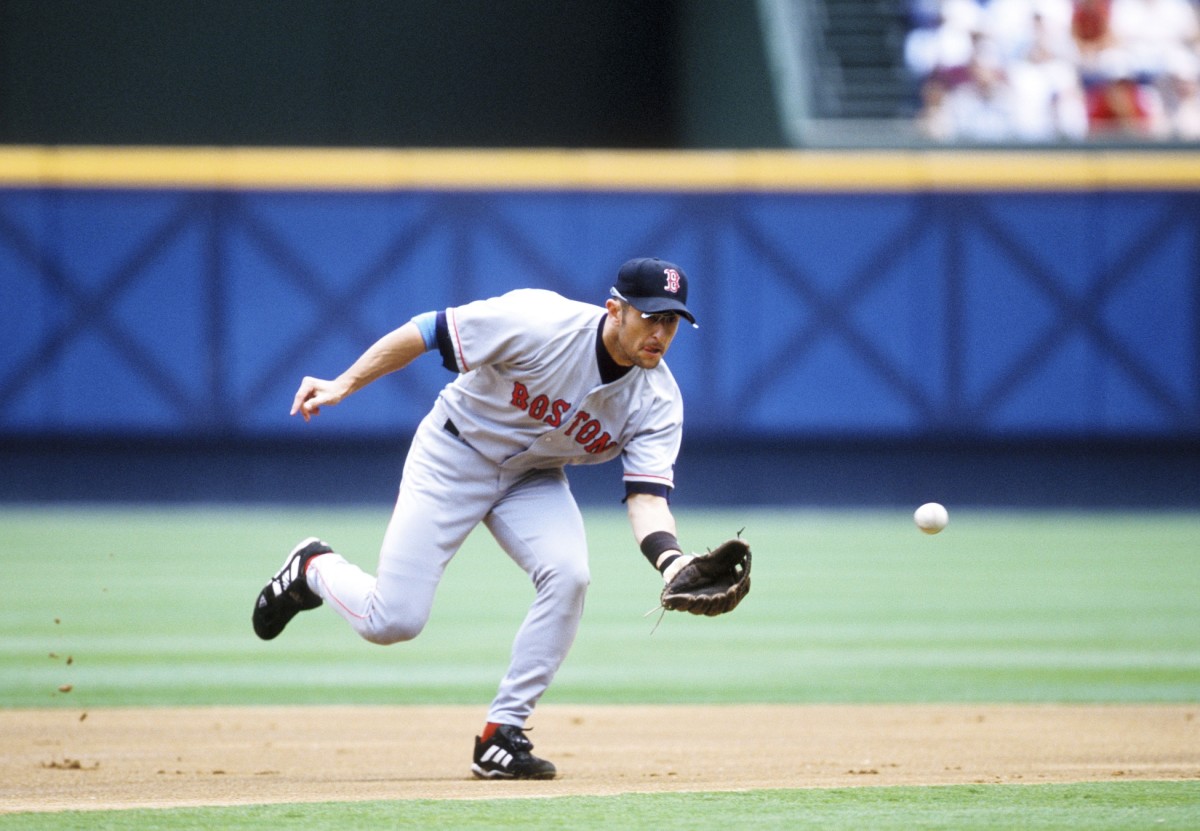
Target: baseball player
pixel 542 382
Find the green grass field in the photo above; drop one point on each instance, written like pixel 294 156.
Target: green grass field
pixel 151 607
pixel 1085 807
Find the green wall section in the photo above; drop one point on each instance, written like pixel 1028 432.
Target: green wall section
pixel 622 73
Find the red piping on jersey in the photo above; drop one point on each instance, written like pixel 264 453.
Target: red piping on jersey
pixel 462 359
pixel 348 610
pixel 648 476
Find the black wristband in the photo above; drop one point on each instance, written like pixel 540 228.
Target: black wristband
pixel 656 543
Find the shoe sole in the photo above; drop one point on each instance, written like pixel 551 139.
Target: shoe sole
pixel 480 773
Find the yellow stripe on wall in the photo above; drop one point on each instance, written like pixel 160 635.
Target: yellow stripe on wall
pixel 597 170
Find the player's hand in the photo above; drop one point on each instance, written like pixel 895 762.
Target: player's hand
pixel 676 566
pixel 315 393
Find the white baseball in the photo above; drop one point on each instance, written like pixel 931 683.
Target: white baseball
pixel 931 517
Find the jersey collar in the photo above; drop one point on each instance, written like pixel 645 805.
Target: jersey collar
pixel 610 370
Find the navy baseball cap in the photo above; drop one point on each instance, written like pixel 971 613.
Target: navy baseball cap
pixel 653 286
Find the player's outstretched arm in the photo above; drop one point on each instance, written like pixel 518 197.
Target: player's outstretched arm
pixel 654 529
pixel 393 351
pixel 709 584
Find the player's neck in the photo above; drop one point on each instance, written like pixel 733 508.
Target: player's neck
pixel 608 337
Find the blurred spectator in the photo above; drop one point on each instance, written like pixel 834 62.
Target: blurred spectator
pixel 1092 34
pixel 939 52
pixel 939 46
pixel 1048 96
pixel 980 107
pixel 1148 32
pixel 1182 97
pixel 1014 25
pixel 1120 106
pixel 933 118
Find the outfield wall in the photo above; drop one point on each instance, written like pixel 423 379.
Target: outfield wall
pixel 880 300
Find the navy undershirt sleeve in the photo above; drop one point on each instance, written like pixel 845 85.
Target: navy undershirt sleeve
pixel 444 344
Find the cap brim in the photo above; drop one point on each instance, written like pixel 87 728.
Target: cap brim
pixel 658 305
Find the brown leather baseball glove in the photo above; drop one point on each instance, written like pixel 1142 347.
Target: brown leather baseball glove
pixel 713 583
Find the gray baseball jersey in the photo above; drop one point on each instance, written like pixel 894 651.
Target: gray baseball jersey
pixel 531 396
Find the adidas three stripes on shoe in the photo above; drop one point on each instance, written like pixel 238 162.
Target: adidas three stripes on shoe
pixel 288 593
pixel 506 756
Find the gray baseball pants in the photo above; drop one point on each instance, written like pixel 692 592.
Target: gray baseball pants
pixel 447 489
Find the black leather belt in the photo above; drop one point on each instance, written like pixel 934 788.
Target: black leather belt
pixel 450 428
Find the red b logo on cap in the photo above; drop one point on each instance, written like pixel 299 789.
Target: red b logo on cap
pixel 672 280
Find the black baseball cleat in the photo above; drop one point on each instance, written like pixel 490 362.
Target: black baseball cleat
pixel 288 593
pixel 506 756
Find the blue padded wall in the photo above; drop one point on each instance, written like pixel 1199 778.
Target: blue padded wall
pixel 981 315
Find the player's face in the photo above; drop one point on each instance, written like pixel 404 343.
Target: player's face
pixel 641 341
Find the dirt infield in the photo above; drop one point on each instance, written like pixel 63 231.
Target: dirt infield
pixel 125 758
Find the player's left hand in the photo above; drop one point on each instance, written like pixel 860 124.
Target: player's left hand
pixel 713 583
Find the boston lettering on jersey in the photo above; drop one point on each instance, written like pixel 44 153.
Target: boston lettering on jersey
pixel 586 430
